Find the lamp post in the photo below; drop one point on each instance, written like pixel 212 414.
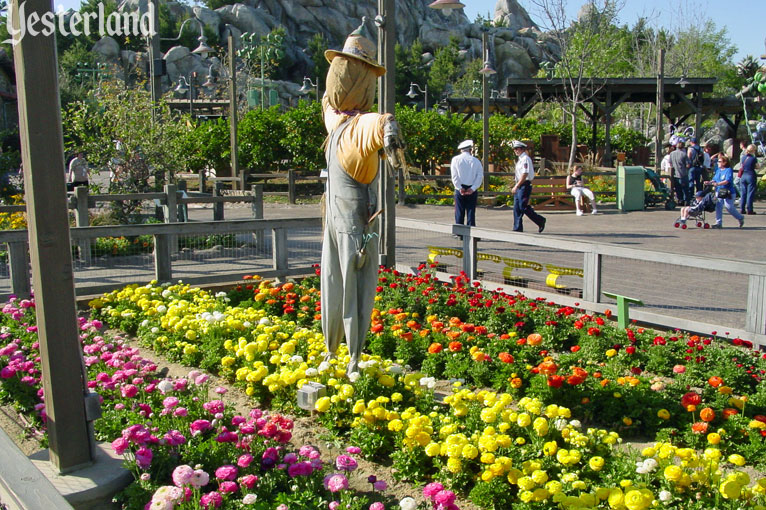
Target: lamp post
pixel 447 6
pixel 185 85
pixel 412 94
pixel 486 72
pixel 307 84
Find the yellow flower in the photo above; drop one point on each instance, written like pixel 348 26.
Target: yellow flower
pixel 610 353
pixel 663 414
pixel 713 438
pixel 323 404
pixel 596 463
pixel 454 465
pixel 736 459
pixel 673 473
pixel 627 421
pixel 432 449
pixel 616 498
pixel 730 489
pixel 638 499
pixel 550 448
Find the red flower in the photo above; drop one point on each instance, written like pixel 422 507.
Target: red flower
pixel 455 346
pixel 575 348
pixel 505 357
pixel 691 399
pixel 630 349
pixel 555 381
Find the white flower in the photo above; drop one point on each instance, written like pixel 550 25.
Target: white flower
pixel 155 330
pixel 427 382
pixel 220 294
pixel 363 365
pixel 247 324
pixel 165 386
pixel 144 323
pixel 311 372
pixel 166 293
pixel 249 499
pixel 296 359
pixel 560 424
pixel 650 464
pixel 162 308
pixel 353 376
pixel 395 369
pixel 324 367
pixel 265 321
pixel 665 496
pixel 408 504
pixel 576 424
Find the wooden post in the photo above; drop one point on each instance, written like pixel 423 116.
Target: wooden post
pixel 218 206
pixel 42 153
pixel 591 290
pixel 660 98
pixel 18 260
pixel 202 182
pixel 163 272
pixel 82 220
pixel 755 320
pixel 170 213
pixel 485 111
pixel 402 191
pixel 258 215
pixel 233 111
pixel 386 102
pixel 291 186
pixel 470 247
pixel 279 248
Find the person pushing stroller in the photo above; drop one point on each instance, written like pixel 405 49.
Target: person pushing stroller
pixel 704 201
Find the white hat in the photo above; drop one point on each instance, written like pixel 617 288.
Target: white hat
pixel 517 144
pixel 465 144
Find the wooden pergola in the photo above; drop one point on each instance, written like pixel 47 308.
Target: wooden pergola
pixel 682 98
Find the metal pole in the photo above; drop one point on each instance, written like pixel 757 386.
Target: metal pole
pixel 485 115
pixel 386 85
pixel 425 104
pixel 42 151
pixel 263 82
pixel 660 97
pixel 155 80
pixel 233 109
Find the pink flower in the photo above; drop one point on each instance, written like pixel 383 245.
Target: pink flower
pixel 119 445
pixel 213 407
pixel 144 457
pixel 377 506
pixel 182 475
pixel 170 402
pixel 679 369
pixel 432 489
pixel 227 472
pixel 380 485
pixel 129 391
pixel 211 500
pixel 334 505
pixel 228 486
pixel 353 450
pixel 244 460
pixel 174 438
pixel 199 478
pixel 201 379
pixel 335 482
pixel 220 390
pixel 180 411
pixel 345 463
pixel 249 481
pixel 197 427
pixel 282 507
pixel 300 469
pixel 444 498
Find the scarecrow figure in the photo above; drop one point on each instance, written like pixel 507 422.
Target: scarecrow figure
pixel 349 248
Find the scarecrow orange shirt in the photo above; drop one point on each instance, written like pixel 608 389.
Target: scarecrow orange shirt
pixel 360 142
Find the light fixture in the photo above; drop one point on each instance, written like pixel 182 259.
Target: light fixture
pixel 487 70
pixel 203 49
pixel 183 85
pixel 307 85
pixel 413 93
pixel 682 82
pixel 494 94
pixel 210 81
pixel 446 6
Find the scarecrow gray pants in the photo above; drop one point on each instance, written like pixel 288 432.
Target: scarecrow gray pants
pixel 348 286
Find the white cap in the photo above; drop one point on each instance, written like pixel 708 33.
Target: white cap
pixel 517 144
pixel 465 144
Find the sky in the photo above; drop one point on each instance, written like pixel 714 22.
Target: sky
pixel 745 20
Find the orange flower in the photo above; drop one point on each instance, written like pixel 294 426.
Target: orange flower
pixel 455 346
pixel 597 375
pixel 604 382
pixel 516 383
pixel 729 412
pixel 505 357
pixel 424 332
pixel 453 334
pixel 305 298
pixel 455 321
pixel 400 316
pixel 376 327
pixel 699 427
pixel 396 327
pixel 435 347
pixel 585 400
pixel 437 326
pixel 407 336
pixel 535 339
pixel 548 367
pixel 413 325
pixel 715 381
pixel 288 286
pixel 707 414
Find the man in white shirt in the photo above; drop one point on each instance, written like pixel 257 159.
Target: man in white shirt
pixel 525 174
pixel 467 176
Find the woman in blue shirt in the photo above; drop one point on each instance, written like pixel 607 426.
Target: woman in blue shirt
pixel 748 180
pixel 723 180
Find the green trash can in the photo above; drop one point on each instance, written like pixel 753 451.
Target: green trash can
pixel 630 188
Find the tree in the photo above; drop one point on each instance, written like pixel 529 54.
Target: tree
pixel 590 48
pixel 409 69
pixel 316 48
pixel 446 68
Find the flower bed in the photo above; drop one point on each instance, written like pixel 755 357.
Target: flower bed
pixel 521 442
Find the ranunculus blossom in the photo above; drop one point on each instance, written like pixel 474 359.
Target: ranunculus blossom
pixel 227 472
pixel 144 457
pixel 182 475
pixel 119 445
pixel 345 463
pixel 335 482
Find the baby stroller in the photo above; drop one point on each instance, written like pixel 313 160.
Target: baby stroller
pixel 697 211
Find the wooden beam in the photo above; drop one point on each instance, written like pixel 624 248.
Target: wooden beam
pixel 42 153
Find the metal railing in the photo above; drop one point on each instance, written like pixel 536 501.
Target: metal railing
pixel 698 294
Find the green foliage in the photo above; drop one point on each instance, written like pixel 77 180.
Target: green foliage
pixel 260 134
pixel 266 54
pixel 208 146
pixel 409 69
pixel 316 48
pixel 446 68
pixel 431 138
pixel 304 133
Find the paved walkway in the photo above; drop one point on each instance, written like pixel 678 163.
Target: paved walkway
pixel 651 229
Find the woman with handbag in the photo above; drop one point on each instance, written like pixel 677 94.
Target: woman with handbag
pixel 723 180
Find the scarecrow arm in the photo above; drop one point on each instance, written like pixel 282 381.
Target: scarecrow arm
pixel 393 143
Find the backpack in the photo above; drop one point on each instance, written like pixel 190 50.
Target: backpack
pixel 699 158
